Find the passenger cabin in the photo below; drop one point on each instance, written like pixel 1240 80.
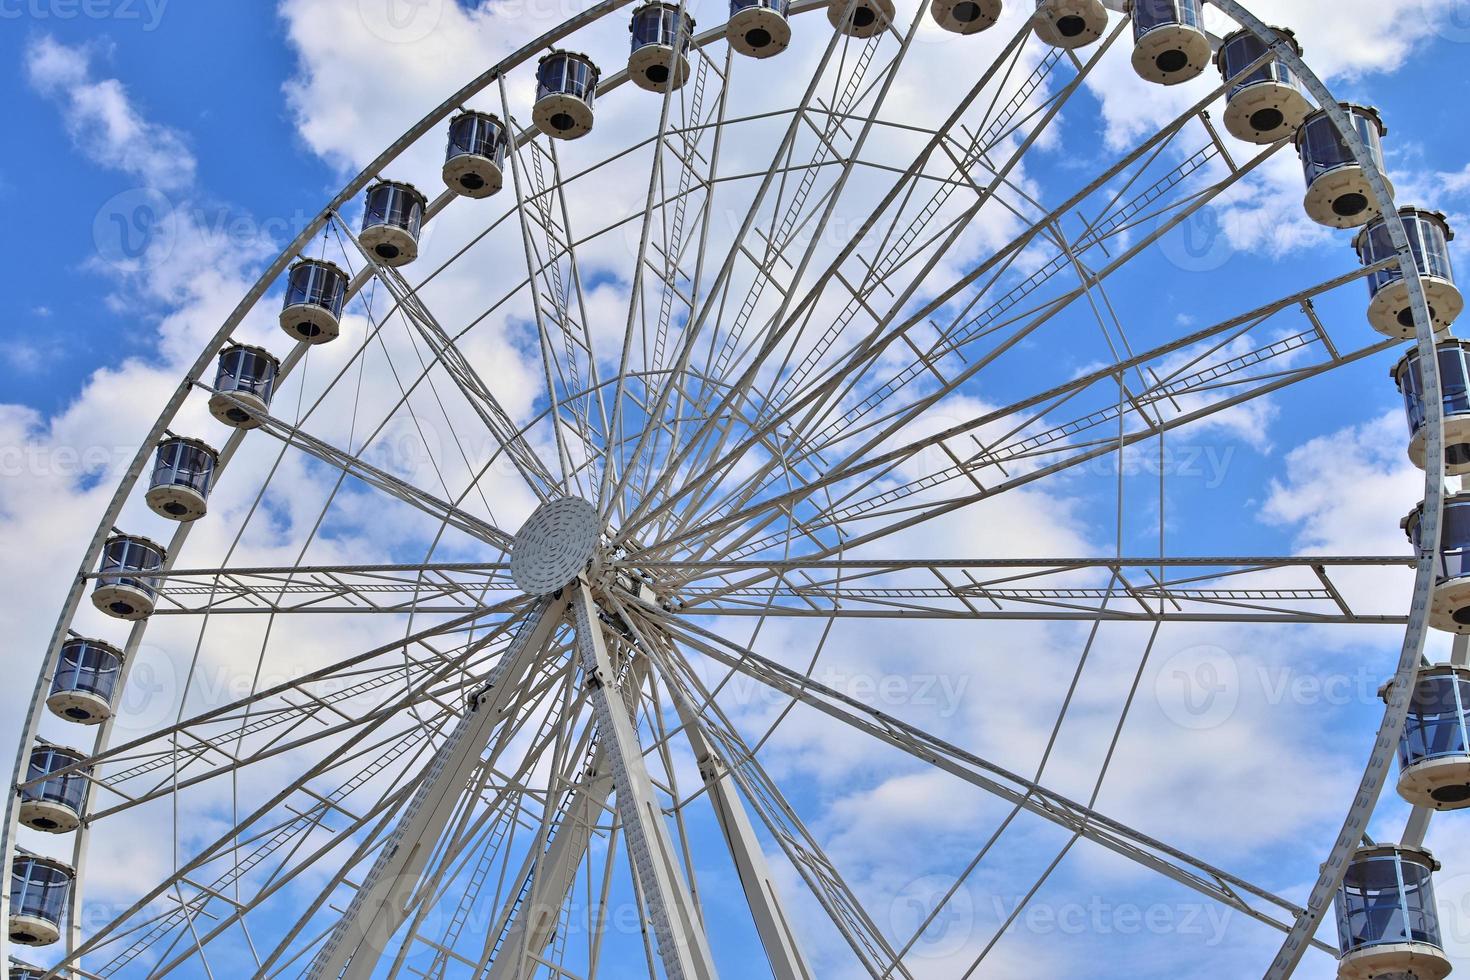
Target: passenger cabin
pixel 659 59
pixel 1454 381
pixel 860 18
pixel 391 222
pixel 243 385
pixel 40 891
pixel 1338 192
pixel 1449 608
pixel 183 472
pixel 316 291
pixel 1169 41
pixel 1434 751
pixel 119 591
pixel 759 28
pixel 965 16
pixel 54 804
pixel 566 87
pixel 1389 311
pixel 85 683
pixel 1387 922
pixel 474 160
pixel 1264 103
pixel 1069 24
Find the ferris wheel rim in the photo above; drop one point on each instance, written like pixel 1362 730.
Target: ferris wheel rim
pixel 1424 331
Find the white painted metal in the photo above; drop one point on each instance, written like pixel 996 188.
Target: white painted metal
pixel 380 903
pixel 555 545
pixel 693 530
pixel 777 931
pixel 682 944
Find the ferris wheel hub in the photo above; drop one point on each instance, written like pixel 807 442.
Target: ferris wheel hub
pixel 558 542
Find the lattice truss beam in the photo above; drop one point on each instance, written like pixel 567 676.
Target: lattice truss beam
pixel 507 774
pixel 491 789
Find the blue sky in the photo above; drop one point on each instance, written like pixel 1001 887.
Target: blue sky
pixel 245 118
pixel 230 114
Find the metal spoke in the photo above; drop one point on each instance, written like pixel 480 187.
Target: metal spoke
pixel 491 747
pixel 1155 855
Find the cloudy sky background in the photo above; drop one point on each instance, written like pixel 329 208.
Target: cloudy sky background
pixel 244 119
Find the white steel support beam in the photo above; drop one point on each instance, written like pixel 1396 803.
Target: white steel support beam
pixel 536 920
pixel 682 944
pixel 534 923
pixel 1230 890
pixel 379 905
pixel 778 936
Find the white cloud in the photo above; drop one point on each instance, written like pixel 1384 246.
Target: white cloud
pixel 102 120
pixel 353 92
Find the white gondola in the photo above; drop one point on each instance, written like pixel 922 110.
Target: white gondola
pixel 24 971
pixel 1338 193
pixel 119 594
pixel 1265 104
pixel 1434 751
pixel 183 471
pixel 1387 922
pixel 243 385
pixel 659 59
pixel 965 16
pixel 474 161
pixel 316 291
pixel 566 87
pixel 54 804
pixel 391 221
pixel 866 18
pixel 1454 381
pixel 1430 235
pixel 40 890
pixel 1069 24
pixel 1449 608
pixel 85 682
pixel 1169 40
pixel 758 28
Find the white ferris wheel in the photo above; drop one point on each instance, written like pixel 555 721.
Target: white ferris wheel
pixel 781 346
